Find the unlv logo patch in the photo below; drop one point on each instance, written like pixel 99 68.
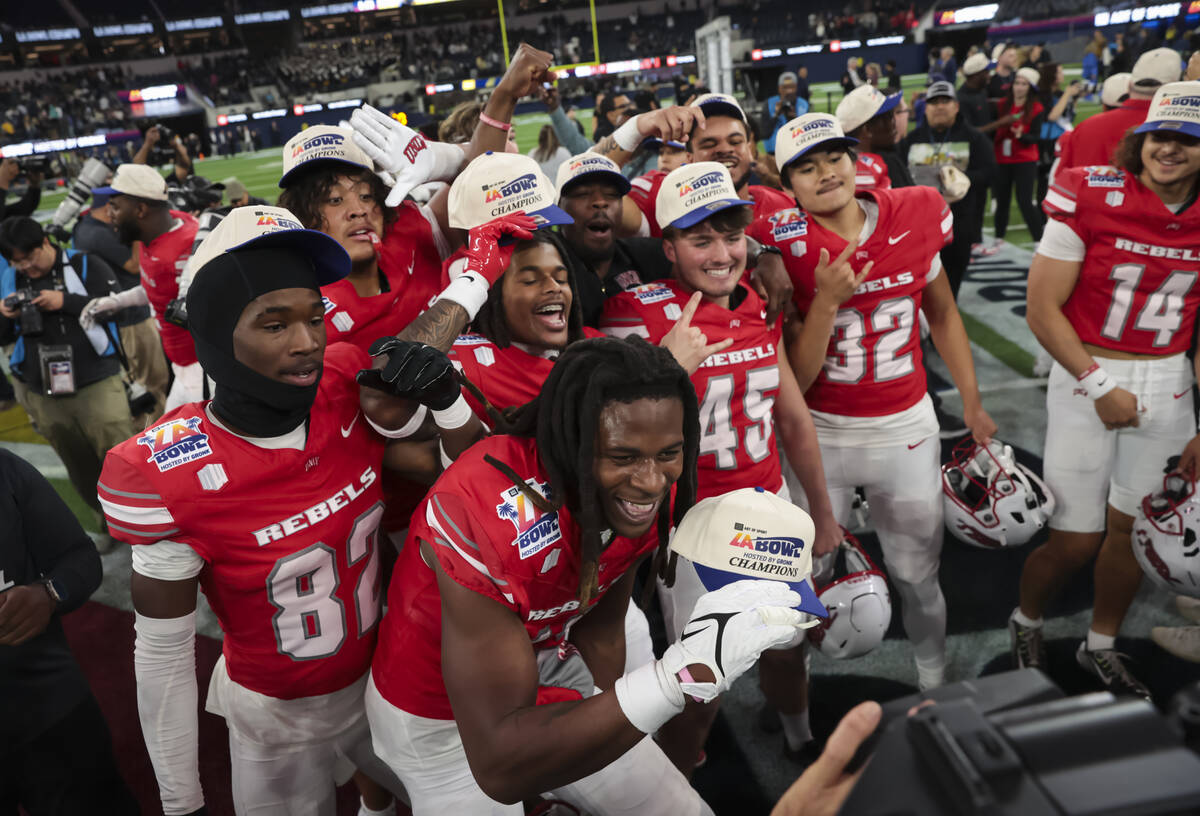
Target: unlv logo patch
pixel 415 146
pixel 535 530
pixel 175 443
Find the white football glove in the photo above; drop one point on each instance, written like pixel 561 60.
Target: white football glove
pixel 396 149
pixel 728 630
pixel 104 308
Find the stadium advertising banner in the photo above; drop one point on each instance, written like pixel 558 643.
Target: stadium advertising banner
pixel 967 14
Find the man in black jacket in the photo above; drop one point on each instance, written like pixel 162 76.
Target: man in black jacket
pixel 56 755
pixel 68 379
pixel 943 139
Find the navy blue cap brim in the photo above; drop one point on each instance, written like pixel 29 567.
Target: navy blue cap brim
pixel 108 192
pixel 716 578
pixel 719 108
pixel 1172 126
pixel 826 144
pixel 305 165
pixel 700 213
pixel 621 182
pixel 552 216
pixel 329 259
pixel 890 102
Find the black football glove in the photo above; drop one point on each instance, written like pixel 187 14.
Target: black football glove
pixel 413 371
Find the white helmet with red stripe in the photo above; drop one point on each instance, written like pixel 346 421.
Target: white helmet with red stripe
pixel 991 500
pixel 1166 536
pixel 860 607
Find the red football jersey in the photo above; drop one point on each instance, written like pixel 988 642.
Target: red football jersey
pixel 288 537
pixel 507 377
pixel 162 261
pixel 1137 289
pixel 873 364
pixel 1009 148
pixel 645 194
pixel 491 539
pixel 736 388
pixel 870 173
pixel 410 261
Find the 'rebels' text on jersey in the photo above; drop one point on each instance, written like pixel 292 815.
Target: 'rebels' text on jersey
pixel 490 538
pixel 1137 289
pixel 736 388
pixel 873 362
pixel 288 536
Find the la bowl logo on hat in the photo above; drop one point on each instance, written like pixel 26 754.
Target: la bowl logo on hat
pixel 268 220
pixel 535 530
pixel 324 140
pixel 707 180
pixel 175 442
pixel 596 162
pixel 498 192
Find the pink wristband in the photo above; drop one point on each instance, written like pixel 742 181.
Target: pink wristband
pixel 686 676
pixel 496 123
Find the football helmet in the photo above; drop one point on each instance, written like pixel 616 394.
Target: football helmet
pixel 991 500
pixel 860 607
pixel 1166 536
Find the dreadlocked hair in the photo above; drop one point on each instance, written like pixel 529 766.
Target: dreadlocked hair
pixel 491 322
pixel 564 418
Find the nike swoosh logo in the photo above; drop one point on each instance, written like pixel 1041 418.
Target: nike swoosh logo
pixel 350 427
pixel 919 444
pixel 412 262
pixel 721 619
pixel 895 239
pixel 1183 394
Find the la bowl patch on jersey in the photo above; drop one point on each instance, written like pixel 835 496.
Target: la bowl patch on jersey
pixel 175 443
pixel 788 224
pixel 652 293
pixel 535 531
pixel 1105 177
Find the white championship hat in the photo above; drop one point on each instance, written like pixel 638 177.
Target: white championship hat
pixel 1175 107
pixel 692 192
pixel 1156 67
pixel 974 64
pixel 750 533
pixel 716 104
pixel 496 184
pixel 863 104
pixel 1030 75
pixel 139 180
pixel 805 133
pixel 1115 87
pixel 322 143
pixel 590 164
pixel 263 227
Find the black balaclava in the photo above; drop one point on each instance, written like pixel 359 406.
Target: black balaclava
pixel 220 292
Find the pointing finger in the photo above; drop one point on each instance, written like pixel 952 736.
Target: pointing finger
pixel 847 252
pixel 824 259
pixel 720 345
pixel 862 276
pixel 689 309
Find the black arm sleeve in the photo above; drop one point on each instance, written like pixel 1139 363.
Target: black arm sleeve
pixel 27 203
pixel 1034 134
pixel 60 548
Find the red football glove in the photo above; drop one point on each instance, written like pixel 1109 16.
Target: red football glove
pixel 485 254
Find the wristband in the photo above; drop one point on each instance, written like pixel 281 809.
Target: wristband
pixel 1095 382
pixel 469 290
pixel 455 416
pixel 644 700
pixel 627 135
pixel 496 123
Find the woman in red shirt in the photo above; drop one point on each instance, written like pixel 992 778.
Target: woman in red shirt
pixel 1017 153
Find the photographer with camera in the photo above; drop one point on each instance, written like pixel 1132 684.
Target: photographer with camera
pixel 782 108
pixel 67 378
pixel 96 233
pixel 10 171
pixel 162 146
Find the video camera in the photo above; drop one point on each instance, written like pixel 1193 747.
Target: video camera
pixel 1013 744
pixel 195 194
pixel 30 316
pixel 35 164
pixel 93 174
pixel 1089 87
